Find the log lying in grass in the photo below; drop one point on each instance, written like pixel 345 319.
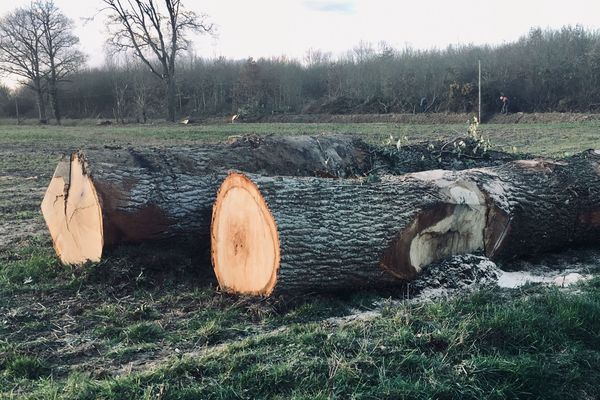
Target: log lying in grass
pixel 541 205
pixel 99 198
pixel 531 207
pixel 273 234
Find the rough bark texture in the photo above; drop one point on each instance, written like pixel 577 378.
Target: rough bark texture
pixel 542 205
pixel 344 234
pixel 158 193
pixel 149 194
pixel 535 206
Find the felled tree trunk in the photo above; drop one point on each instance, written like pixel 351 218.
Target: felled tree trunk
pixel 531 206
pixel 541 205
pixel 99 198
pixel 274 234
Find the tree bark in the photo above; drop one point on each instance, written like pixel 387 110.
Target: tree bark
pixel 99 198
pixel 542 205
pixel 275 234
pixel 171 99
pixel 54 99
pixel 41 103
pixel 532 206
pixel 327 234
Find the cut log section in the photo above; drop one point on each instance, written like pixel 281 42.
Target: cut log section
pixel 72 211
pixel 541 205
pixel 104 197
pixel 274 234
pixel 532 206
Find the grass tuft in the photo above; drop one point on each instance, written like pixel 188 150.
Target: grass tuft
pixel 26 367
pixel 144 332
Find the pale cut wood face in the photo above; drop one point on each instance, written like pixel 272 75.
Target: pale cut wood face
pixel 245 242
pixel 73 214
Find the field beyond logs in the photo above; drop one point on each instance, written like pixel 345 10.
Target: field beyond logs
pixel 147 326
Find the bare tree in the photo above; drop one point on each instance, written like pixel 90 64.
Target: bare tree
pixel 155 31
pixel 21 54
pixel 140 95
pixel 61 57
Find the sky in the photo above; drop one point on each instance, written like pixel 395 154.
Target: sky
pixel 272 28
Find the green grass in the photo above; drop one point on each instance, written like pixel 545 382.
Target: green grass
pixel 25 367
pixel 495 345
pixel 34 264
pixel 144 332
pixel 554 138
pixel 129 328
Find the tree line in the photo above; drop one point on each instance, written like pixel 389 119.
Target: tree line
pixel 159 77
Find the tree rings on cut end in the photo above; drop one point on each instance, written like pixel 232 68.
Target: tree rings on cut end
pixel 244 239
pixel 73 214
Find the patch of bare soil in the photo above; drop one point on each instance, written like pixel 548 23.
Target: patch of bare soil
pixel 430 118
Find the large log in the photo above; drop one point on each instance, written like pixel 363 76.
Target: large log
pixel 102 197
pixel 273 234
pixel 531 207
pixel 541 205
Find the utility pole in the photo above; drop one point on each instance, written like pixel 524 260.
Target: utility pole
pixel 479 86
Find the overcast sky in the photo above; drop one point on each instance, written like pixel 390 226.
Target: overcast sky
pixel 265 28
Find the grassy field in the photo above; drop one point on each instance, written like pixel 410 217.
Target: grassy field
pixel 549 139
pixel 149 327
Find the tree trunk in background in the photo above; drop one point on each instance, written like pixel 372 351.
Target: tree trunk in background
pixel 41 103
pixel 53 89
pixel 171 98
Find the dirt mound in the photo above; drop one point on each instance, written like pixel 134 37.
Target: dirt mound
pixel 465 273
pixel 374 116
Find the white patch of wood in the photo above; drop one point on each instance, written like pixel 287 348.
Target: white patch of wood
pixel 459 233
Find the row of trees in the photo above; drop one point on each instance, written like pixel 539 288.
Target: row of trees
pixel 38 46
pixel 545 70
